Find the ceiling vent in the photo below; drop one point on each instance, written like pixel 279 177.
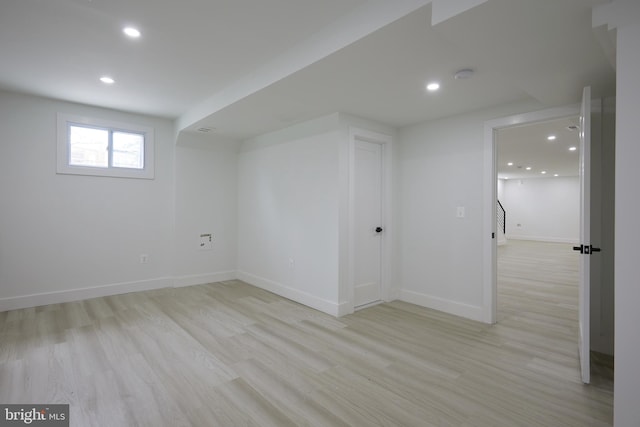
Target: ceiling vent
pixel 205 129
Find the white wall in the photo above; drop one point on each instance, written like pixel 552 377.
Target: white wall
pixel 293 211
pixel 65 238
pixel 441 164
pixel 288 212
pixel 205 203
pixel 71 236
pixel 500 189
pixel 627 235
pixel 545 209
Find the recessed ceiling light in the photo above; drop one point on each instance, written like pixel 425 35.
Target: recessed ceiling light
pixel 573 148
pixel 510 164
pixel 543 172
pixel 528 168
pixel 107 80
pixel 555 174
pixel 432 87
pixel 551 137
pixel 134 33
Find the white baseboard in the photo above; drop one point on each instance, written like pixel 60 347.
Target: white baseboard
pixel 452 307
pixel 45 298
pixel 329 307
pixel 201 279
pixel 544 239
pixel 344 309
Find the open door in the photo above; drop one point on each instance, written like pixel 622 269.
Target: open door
pixel 585 247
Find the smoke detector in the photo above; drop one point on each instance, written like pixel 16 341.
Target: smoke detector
pixel 463 74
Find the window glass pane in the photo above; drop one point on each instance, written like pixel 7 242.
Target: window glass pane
pixel 128 150
pixel 88 147
pixel 99 147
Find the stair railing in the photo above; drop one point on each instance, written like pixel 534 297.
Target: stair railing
pixel 502 217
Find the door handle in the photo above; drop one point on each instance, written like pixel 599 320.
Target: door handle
pixel 378 229
pixel 586 249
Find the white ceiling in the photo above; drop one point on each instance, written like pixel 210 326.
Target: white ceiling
pixel 245 67
pixel 528 146
pixel 189 49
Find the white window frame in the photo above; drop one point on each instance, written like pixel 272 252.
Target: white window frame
pixel 63 166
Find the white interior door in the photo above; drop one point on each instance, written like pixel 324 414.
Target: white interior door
pixel 367 222
pixel 585 247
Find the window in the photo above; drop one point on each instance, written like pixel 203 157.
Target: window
pixel 89 146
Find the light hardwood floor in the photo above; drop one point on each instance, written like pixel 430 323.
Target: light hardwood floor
pixel 229 354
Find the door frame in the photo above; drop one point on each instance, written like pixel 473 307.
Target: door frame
pixel 490 255
pixel 584 284
pixel 386 142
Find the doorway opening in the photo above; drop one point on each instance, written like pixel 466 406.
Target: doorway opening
pixel 600 170
pixel 491 189
pixel 538 214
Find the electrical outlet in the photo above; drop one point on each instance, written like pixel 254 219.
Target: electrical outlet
pixel 460 212
pixel 206 242
pixel 144 258
pixel 292 264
